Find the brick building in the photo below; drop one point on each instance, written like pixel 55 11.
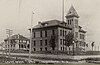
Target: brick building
pixel 42 33
pixel 17 42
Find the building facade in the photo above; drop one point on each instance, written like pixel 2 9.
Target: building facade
pixel 17 42
pixel 42 33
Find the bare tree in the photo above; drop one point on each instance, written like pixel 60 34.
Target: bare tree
pixel 52 42
pixel 92 44
pixel 69 40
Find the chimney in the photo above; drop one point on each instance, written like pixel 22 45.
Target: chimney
pixel 39 23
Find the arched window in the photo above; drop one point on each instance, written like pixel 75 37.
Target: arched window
pixel 28 46
pixel 22 46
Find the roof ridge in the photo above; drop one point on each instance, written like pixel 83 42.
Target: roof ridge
pixel 17 37
pixel 50 20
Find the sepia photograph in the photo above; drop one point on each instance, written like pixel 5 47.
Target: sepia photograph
pixel 55 32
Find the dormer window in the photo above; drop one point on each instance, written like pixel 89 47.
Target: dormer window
pixel 46 24
pixel 70 12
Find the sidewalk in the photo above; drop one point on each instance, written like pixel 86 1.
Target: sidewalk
pixel 56 56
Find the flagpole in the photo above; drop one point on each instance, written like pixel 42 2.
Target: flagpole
pixel 19 6
pixel 30 47
pixel 63 10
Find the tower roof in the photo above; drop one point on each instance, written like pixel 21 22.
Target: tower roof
pixel 72 12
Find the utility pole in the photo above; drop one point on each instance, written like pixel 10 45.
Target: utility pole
pixel 9 33
pixel 62 10
pixel 30 46
pixel 73 47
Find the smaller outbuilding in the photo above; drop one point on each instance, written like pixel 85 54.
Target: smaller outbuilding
pixel 17 42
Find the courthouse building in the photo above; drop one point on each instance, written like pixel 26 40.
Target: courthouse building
pixel 43 31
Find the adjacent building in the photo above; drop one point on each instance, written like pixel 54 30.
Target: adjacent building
pixel 17 42
pixel 42 33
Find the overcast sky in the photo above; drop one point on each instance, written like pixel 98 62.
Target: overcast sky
pixel 11 17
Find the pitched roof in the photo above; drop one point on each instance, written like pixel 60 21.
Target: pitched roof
pixel 17 37
pixel 81 30
pixel 72 12
pixel 51 23
pixel 47 23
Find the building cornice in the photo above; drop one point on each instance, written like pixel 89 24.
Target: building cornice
pixel 53 26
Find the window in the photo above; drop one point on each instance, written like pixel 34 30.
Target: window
pixel 65 24
pixel 34 34
pixel 72 19
pixel 24 46
pixel 53 32
pixel 40 42
pixel 76 44
pixel 68 22
pixel 11 45
pixel 76 34
pixel 84 44
pixel 8 46
pixel 19 41
pixel 45 48
pixel 40 49
pixel 28 46
pixel 45 33
pixel 34 43
pixel 76 23
pixel 24 41
pixel 82 36
pixel 63 32
pixel 61 48
pixel 76 26
pixel 11 41
pixel 60 32
pixel 45 42
pixel 61 41
pixel 41 34
pixel 19 46
pixel 34 49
